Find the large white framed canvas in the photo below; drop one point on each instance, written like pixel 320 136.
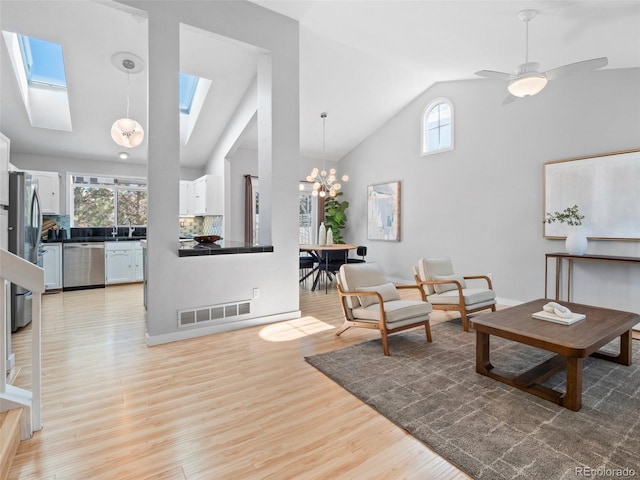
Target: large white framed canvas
pixel 606 188
pixel 383 212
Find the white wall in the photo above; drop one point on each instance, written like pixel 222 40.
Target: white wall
pixel 176 283
pixel 481 204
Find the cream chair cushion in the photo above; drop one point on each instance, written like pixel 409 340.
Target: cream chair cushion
pixel 477 297
pixel 366 275
pixel 445 287
pixel 388 291
pixel 398 312
pixel 429 268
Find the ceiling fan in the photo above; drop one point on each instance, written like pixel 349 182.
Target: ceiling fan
pixel 527 80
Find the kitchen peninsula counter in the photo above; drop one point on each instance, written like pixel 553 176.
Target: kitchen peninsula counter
pixel 222 247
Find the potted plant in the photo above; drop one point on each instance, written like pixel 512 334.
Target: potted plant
pixel 335 217
pixel 576 241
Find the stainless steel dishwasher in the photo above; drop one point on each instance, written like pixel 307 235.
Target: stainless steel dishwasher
pixel 83 265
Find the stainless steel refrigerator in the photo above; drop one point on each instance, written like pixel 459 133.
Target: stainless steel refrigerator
pixel 25 230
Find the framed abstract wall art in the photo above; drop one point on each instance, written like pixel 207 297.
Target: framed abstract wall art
pixel 605 187
pixel 383 212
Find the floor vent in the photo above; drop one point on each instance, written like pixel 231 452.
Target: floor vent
pixel 223 313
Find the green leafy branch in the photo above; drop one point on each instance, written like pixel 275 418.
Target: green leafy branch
pixel 570 216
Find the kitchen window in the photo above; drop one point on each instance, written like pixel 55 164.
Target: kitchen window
pixel 107 201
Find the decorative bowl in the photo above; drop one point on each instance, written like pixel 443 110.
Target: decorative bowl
pixel 207 238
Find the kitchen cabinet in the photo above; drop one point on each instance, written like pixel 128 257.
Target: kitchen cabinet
pixel 203 196
pixel 208 195
pixel 4 169
pixel 186 197
pixel 52 263
pixel 48 186
pixel 138 264
pixel 123 262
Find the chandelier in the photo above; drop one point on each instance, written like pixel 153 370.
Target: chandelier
pixel 325 182
pixel 126 132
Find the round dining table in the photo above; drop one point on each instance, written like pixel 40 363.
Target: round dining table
pixel 317 251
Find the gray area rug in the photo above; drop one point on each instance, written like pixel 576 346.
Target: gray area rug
pixel 488 429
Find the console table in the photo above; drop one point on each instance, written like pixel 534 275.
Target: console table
pixel 560 257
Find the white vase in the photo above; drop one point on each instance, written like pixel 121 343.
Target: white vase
pixel 576 242
pixel 322 235
pixel 329 237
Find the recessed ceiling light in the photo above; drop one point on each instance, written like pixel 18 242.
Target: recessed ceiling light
pixel 123 155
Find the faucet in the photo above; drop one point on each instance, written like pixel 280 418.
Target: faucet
pixel 131 229
pixel 114 231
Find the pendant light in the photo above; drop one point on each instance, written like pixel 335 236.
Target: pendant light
pixel 127 132
pixel 325 182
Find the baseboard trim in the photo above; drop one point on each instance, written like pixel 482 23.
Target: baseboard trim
pixel 153 340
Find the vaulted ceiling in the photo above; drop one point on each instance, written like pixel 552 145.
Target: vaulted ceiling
pixel 361 62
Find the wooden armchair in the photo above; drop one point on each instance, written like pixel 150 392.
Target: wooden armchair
pixel 368 300
pixel 445 290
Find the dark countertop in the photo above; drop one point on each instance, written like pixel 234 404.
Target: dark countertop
pixel 97 234
pixel 95 239
pixel 187 248
pixel 221 247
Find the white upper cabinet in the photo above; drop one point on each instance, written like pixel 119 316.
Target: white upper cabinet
pixel 48 185
pixel 208 195
pixel 4 170
pixel 186 197
pixel 203 196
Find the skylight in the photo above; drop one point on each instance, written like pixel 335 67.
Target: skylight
pixel 39 69
pixel 43 62
pixel 188 85
pixel 193 91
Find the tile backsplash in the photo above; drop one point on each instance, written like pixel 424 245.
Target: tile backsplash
pixel 209 225
pixel 212 225
pixel 62 221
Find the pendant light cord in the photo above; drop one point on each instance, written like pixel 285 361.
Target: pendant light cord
pixel 128 78
pixel 324 155
pixel 526 42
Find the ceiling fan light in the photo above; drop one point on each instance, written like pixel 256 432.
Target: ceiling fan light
pixel 527 85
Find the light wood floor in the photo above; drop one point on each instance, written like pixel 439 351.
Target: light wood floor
pixel 236 405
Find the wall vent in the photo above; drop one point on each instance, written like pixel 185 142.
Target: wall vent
pixel 214 314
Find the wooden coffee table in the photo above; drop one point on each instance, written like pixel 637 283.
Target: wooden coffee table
pixel 572 343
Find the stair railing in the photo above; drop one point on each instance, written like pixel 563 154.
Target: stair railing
pixel 31 277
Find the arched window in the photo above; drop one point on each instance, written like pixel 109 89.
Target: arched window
pixel 437 127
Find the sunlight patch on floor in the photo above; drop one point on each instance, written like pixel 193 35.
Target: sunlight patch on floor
pixel 294 329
